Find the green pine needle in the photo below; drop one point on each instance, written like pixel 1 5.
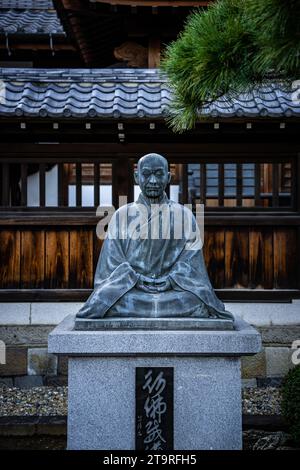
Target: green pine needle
pixel 228 48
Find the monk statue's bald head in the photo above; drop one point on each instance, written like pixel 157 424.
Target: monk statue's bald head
pixel 152 176
pixel 153 157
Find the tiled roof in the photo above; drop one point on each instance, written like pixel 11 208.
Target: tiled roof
pixel 23 4
pixel 29 17
pixel 126 93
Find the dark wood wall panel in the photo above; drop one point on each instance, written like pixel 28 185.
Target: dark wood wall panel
pixel 214 255
pixel 81 258
pixel 237 258
pixel 10 259
pixel 285 258
pixel 261 266
pixel 66 258
pixel 57 259
pixel 32 259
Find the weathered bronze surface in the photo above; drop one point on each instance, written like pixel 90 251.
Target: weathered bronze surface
pixel 145 270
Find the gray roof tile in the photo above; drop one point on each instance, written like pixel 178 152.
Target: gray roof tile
pixel 29 17
pixel 23 4
pixel 123 93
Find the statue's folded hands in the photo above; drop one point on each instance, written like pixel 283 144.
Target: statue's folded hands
pixel 153 285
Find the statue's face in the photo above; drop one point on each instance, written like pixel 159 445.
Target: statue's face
pixel 153 176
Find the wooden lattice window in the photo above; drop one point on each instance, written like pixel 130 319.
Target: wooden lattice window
pixel 264 185
pixel 58 185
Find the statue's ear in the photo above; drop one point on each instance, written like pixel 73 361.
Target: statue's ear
pixel 169 177
pixel 136 177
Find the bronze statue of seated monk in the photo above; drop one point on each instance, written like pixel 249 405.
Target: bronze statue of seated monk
pixel 145 269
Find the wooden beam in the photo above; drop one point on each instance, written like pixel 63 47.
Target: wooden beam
pixel 61 216
pixel 39 46
pixel 263 152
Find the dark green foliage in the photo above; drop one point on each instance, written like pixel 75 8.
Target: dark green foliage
pixel 231 46
pixel 278 40
pixel 291 402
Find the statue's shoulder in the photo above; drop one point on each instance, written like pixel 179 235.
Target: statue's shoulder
pixel 183 208
pixel 124 209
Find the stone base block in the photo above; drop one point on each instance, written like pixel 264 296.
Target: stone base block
pixel 132 323
pixel 207 402
pixel 207 383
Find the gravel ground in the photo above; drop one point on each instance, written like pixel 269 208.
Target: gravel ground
pixel 36 401
pixel 262 401
pixel 50 401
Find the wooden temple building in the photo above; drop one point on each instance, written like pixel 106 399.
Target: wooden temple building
pixel 81 99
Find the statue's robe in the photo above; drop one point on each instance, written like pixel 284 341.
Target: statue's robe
pixel 124 258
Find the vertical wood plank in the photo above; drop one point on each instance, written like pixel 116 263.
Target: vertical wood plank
pixel 214 251
pixel 261 258
pixel 81 259
pixel 57 259
pixel 237 258
pixel 285 258
pixel 10 259
pixel 32 259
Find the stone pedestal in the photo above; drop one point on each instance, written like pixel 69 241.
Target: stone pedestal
pixel 207 383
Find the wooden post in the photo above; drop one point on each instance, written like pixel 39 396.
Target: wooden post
pixel 154 53
pixel 296 190
pixel 122 180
